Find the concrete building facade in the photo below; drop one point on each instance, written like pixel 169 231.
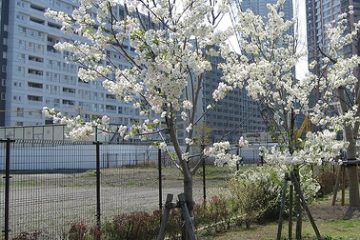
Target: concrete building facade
pixel 322 12
pixel 4 23
pixel 259 7
pixel 36 75
pixel 236 114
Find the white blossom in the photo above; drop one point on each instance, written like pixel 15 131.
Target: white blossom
pixel 243 142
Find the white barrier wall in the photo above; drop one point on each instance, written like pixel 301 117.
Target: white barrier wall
pixel 76 157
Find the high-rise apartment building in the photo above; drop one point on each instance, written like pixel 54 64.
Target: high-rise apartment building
pixel 259 7
pixel 322 12
pixel 34 74
pixel 236 114
pixel 4 18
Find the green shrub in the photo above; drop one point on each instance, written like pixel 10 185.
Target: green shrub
pixel 257 191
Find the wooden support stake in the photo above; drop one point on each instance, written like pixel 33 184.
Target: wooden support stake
pixel 336 187
pixel 282 208
pixel 343 185
pixel 291 192
pixel 189 226
pixel 298 209
pixel 165 216
pixel 304 205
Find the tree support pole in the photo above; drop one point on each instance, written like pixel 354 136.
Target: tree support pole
pixel 304 205
pixel 189 225
pixel 291 193
pixel 342 185
pixel 165 216
pixel 282 207
pixel 336 187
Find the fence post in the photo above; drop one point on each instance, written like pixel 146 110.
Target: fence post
pixel 160 179
pixel 203 172
pixel 7 188
pixel 238 162
pixel 98 192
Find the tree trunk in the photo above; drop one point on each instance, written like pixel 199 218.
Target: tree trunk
pixel 354 197
pixel 188 191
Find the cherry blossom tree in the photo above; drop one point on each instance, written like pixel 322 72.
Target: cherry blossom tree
pixel 170 41
pixel 266 68
pixel 338 90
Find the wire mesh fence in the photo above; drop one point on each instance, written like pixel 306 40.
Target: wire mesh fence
pixel 53 184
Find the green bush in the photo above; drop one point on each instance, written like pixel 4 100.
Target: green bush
pixel 256 192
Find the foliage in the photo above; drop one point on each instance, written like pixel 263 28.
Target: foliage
pixel 82 231
pixel 28 236
pixel 137 225
pixel 257 191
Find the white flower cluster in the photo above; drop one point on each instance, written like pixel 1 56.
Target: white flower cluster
pixel 142 131
pixel 243 142
pixel 76 128
pixel 221 91
pixel 318 148
pixel 220 151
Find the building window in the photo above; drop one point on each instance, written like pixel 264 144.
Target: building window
pixel 68 102
pixel 35 85
pixel 34 98
pixel 68 90
pixel 35 72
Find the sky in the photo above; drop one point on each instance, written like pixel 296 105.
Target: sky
pixel 300 10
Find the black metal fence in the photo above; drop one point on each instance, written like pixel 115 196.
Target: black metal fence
pixel 48 185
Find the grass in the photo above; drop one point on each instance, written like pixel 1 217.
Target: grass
pixel 330 230
pixel 335 229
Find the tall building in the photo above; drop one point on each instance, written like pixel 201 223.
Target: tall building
pixel 259 7
pixel 321 12
pixel 4 22
pixel 34 74
pixel 234 115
